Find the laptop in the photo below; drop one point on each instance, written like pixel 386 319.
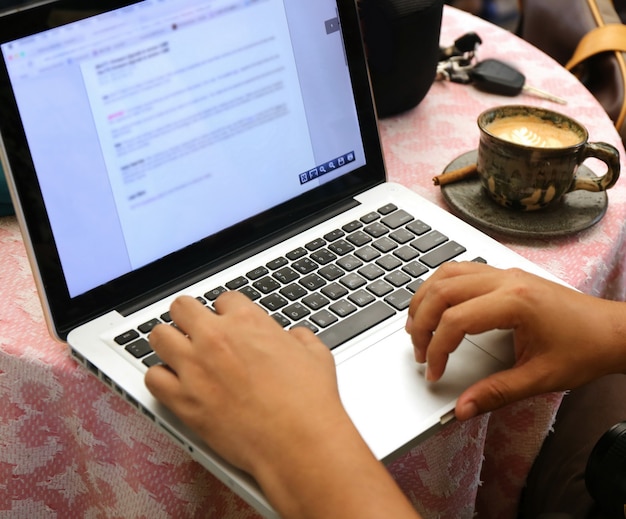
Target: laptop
pixel 158 148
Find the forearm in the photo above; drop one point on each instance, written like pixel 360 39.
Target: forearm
pixel 333 477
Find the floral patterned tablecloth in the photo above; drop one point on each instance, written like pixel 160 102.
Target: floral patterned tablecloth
pixel 69 447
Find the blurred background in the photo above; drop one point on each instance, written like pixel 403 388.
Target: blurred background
pixel 500 12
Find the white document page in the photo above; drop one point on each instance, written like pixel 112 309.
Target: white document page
pixel 189 124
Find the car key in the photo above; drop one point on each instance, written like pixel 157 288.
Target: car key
pixel 497 77
pixel 468 43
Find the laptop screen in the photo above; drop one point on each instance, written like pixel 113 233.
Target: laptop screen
pixel 160 125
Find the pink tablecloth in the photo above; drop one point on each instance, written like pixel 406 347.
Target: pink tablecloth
pixel 72 448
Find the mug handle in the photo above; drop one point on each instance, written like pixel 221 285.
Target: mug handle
pixel 607 154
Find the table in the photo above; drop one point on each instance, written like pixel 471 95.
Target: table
pixel 72 448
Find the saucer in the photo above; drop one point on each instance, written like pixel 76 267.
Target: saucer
pixel 575 212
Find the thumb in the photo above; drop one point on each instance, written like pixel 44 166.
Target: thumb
pixel 498 390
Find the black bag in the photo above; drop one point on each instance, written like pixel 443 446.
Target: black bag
pixel 402 43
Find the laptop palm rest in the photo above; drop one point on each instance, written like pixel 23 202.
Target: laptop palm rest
pixel 390 401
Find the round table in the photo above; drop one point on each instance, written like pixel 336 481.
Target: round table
pixel 73 448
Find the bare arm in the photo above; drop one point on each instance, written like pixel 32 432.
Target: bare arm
pixel 563 338
pixel 267 400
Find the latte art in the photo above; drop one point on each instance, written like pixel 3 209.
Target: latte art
pixel 527 137
pixel 533 132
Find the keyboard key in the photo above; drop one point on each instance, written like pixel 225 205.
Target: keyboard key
pixel 323 256
pixel 398 278
pixel 402 236
pixel 274 302
pixel 385 244
pixel 147 327
pixel 212 295
pixel 315 301
pixel 349 262
pixel 334 235
pixel 352 281
pixel 250 293
pixel 152 360
pixel 315 244
pixel 371 272
pixel 324 318
pixel 406 253
pixel 277 263
pixel 266 285
pixel 296 311
pixel 343 308
pixel 380 288
pixel 304 265
pixel 388 262
pixel 296 254
pixel 370 217
pixel 367 253
pixel 293 291
pixel 397 219
pixel 442 254
pixel 126 337
pixel 334 291
pixel 400 299
pixel 429 241
pixel 341 247
pixel 359 238
pixel 286 275
pixel 376 230
pixel 361 298
pixel 386 209
pixel 418 227
pixel 355 324
pixel 257 273
pixel 312 282
pixel 236 283
pixel 331 272
pixel 415 269
pixel 139 348
pixel 414 285
pixel 352 226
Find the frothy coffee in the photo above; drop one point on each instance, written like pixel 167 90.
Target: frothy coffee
pixel 533 132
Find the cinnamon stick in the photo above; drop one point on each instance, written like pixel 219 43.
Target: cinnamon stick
pixel 455 175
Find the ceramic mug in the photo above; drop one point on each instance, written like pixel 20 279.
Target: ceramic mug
pixel 528 157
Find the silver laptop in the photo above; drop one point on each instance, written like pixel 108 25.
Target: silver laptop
pixel 159 148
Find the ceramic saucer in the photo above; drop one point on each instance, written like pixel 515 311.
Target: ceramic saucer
pixel 576 211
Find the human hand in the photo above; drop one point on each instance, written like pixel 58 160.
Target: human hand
pixel 267 400
pixel 238 379
pixel 562 338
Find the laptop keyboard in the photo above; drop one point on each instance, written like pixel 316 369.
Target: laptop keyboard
pixel 338 285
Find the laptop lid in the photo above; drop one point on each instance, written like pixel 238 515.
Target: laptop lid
pixel 148 144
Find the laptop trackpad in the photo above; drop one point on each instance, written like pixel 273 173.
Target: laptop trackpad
pixel 388 398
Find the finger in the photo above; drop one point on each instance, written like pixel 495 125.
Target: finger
pixel 187 313
pixel 234 300
pixel 457 283
pixel 446 271
pixel 503 388
pixel 486 312
pixel 305 336
pixel 163 383
pixel 311 342
pixel 456 299
pixel 169 344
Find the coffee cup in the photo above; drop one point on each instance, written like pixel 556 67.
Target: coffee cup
pixel 528 157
